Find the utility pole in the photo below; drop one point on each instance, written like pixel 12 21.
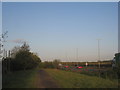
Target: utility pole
pixel 99 52
pixel 66 59
pixel 6 54
pixel 9 54
pixel 99 55
pixel 77 55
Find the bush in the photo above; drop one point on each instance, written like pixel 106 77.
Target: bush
pixel 25 60
pixel 6 65
pixel 47 64
pixel 21 59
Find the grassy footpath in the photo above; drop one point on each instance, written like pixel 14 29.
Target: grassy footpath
pixel 20 79
pixel 74 80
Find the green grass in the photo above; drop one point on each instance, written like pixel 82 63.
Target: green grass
pixel 68 79
pixel 19 79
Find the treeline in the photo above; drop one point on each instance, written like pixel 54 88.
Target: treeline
pixel 20 58
pixel 93 64
pixel 50 64
pixel 57 64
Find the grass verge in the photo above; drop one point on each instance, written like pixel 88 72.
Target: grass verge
pixel 20 79
pixel 68 79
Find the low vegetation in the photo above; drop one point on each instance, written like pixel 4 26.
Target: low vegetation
pixel 69 79
pixel 65 79
pixel 20 79
pixel 50 64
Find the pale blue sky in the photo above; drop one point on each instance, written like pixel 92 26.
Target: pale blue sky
pixel 55 30
pixel 60 0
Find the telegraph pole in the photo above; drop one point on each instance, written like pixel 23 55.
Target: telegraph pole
pixel 77 55
pixel 99 55
pixel 99 52
pixel 66 58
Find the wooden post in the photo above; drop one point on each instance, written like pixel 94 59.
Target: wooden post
pixel 9 61
pixel 6 54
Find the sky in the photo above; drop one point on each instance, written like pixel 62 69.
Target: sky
pixel 60 0
pixel 57 30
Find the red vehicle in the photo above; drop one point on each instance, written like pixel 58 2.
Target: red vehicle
pixel 66 66
pixel 79 67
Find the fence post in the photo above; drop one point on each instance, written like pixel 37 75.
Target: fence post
pixel 9 61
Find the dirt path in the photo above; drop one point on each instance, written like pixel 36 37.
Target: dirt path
pixel 43 80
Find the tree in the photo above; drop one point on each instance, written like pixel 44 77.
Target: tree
pixel 14 51
pixel 24 59
pixel 56 63
pixel 47 64
pixel 25 47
